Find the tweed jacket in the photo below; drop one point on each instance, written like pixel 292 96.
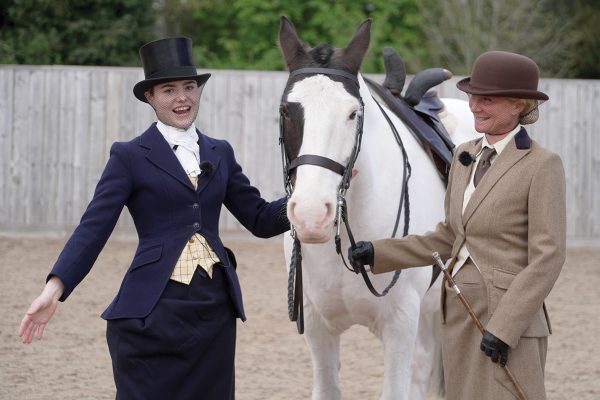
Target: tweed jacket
pixel 145 175
pixel 514 227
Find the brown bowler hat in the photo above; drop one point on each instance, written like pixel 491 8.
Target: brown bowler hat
pixel 167 60
pixel 500 73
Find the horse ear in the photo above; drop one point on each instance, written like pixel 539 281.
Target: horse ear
pixel 354 53
pixel 291 47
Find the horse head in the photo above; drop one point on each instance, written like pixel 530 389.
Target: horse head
pixel 321 123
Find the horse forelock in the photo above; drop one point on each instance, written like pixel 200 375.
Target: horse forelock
pixel 322 55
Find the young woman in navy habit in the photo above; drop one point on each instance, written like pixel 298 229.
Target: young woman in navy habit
pixel 171 329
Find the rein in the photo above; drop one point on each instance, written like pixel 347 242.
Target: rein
pixel 359 268
pixel 295 295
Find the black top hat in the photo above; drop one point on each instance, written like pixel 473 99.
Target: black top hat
pixel 166 60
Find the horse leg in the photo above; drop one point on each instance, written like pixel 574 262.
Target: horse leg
pixel 324 347
pixel 399 334
pixel 427 371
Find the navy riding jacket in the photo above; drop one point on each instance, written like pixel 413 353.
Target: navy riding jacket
pixel 145 175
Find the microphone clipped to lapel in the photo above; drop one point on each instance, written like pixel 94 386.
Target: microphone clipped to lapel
pixel 206 168
pixel 466 158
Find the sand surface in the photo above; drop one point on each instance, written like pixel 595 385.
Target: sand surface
pixel 273 361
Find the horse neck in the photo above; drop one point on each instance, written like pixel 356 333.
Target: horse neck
pixel 376 188
pixel 380 151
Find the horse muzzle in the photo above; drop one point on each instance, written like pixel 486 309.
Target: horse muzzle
pixel 313 224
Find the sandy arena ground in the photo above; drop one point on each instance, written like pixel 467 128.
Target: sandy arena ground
pixel 273 362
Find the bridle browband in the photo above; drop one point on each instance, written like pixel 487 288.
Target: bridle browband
pixel 295 308
pixel 325 71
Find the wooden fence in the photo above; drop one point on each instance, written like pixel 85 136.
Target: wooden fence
pixel 57 124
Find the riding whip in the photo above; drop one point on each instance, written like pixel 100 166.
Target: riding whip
pixel 463 300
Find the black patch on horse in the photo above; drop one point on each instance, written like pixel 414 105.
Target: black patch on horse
pixel 292 119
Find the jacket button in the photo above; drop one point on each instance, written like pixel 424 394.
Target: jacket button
pixel 195 206
pixel 196 225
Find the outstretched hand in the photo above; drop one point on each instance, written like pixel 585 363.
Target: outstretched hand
pixel 494 348
pixel 40 311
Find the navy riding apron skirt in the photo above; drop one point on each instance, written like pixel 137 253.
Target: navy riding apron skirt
pixel 184 349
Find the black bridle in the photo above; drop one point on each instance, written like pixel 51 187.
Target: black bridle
pixel 313 159
pixel 295 309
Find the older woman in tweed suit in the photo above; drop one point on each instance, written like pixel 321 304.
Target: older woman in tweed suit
pixel 504 236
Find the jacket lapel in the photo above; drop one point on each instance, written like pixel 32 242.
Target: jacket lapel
pixel 516 149
pixel 160 154
pixel 461 180
pixel 208 152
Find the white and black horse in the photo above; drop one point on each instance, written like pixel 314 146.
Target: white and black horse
pixel 334 132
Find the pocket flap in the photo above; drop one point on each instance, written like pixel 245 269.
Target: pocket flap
pixel 502 279
pixel 146 256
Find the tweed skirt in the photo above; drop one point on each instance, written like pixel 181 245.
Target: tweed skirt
pixel 468 373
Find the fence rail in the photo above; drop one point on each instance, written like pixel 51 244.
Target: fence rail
pixel 57 124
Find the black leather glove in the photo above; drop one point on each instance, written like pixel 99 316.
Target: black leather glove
pixel 494 348
pixel 361 254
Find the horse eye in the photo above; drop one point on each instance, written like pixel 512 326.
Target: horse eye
pixel 352 116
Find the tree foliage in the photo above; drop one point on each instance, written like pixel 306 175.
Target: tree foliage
pixel 586 50
pixel 548 32
pixel 83 32
pixel 242 34
pixel 563 36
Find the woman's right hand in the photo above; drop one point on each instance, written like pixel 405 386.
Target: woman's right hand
pixel 40 311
